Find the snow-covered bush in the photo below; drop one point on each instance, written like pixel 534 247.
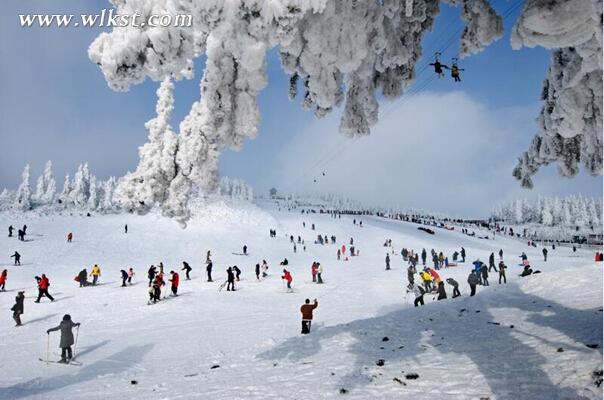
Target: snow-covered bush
pixel 235 189
pixel 22 199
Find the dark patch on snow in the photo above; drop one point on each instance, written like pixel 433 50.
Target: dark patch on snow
pixel 512 326
pixel 560 350
pixel 343 391
pixel 380 362
pixel 385 339
pixel 215 366
pixel 191 375
pixel 477 311
pixel 133 382
pixel 400 382
pixel 381 348
pixel 412 375
pixel 462 310
pixel 493 323
pixel 592 345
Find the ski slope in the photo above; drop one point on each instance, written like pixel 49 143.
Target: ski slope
pixel 501 344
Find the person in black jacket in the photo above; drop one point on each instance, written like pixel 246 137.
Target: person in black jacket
pixel 472 281
pixel 17 258
pixel 442 294
pixel 230 280
pixel 10 231
pixel 83 278
pixel 485 275
pixel 544 254
pixel 237 272
pixel 124 277
pixel 492 262
pixel 18 308
pixel 209 271
pixel 151 274
pixel 463 255
pixel 455 285
pixel 257 271
pixel 187 268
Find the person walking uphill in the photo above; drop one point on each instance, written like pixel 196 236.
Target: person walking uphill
pixel 387 261
pixel 95 273
pixel 492 262
pixel 544 254
pixel 17 258
pixel 43 284
pixel 67 341
pixel 230 279
pixel 473 281
pixel 18 307
pixel 306 309
pixel 502 268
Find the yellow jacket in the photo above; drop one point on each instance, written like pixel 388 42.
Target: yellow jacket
pixel 426 276
pixel 95 271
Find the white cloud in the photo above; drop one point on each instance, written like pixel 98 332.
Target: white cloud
pixel 442 152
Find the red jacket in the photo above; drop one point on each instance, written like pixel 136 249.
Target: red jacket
pixel 44 283
pixel 2 278
pixel 434 273
pixel 287 276
pixel 175 279
pixel 313 269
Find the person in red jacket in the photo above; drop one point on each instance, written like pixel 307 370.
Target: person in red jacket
pixel 69 237
pixel 313 271
pixel 306 311
pixel 3 280
pixel 175 280
pixel 288 278
pixel 43 284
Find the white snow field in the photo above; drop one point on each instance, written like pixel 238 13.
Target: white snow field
pixel 504 343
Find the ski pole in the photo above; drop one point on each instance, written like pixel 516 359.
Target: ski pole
pixel 75 345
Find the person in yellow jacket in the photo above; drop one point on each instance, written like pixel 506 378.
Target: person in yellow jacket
pixel 95 273
pixel 427 280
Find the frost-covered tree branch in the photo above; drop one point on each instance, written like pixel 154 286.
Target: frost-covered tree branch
pixel 335 51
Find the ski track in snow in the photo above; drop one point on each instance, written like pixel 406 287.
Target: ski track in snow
pixel 253 334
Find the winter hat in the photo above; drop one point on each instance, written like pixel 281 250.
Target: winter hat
pixel 66 317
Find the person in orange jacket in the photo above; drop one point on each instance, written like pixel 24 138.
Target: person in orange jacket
pixel 288 278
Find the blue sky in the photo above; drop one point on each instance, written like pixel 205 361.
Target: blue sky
pixel 55 105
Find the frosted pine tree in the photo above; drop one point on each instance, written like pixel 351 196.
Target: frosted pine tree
pixel 46 186
pixel 93 196
pixel 547 217
pixel 81 187
pixel 107 202
pixel 65 195
pixel 23 196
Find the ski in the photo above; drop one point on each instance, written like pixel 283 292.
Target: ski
pixel 72 362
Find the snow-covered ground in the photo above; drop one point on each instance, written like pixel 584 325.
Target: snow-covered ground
pixel 501 344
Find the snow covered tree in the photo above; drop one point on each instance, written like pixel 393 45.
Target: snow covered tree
pixel 93 197
pixel 23 196
pixel 65 195
pixel 547 218
pixel 339 52
pixel 80 191
pixel 107 203
pixel 46 186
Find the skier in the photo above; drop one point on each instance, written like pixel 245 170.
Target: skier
pixel 209 271
pixel 485 274
pixel 237 272
pixel 424 256
pixel 10 231
pixel 288 278
pixel 502 268
pixel 3 276
pixel 151 274
pixel 463 255
pixel 544 254
pixel 492 262
pixel 17 258
pixel 419 292
pixel 43 284
pixel 387 261
pixel 230 279
pixel 83 278
pixel 18 307
pixel 307 309
pixel 126 228
pixel 175 280
pixel 66 337
pixel 455 285
pixel 187 268
pixel 95 273
pixel 264 269
pixel 442 294
pixel 473 281
pixel 244 250
pixel 130 275
pixel 319 270
pixel 69 237
pixel 438 68
pixel 20 235
pixel 257 271
pixel 124 277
